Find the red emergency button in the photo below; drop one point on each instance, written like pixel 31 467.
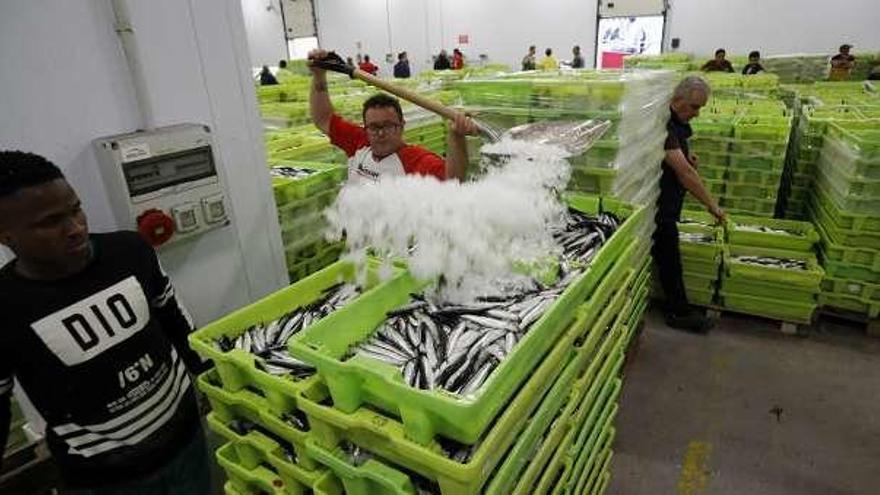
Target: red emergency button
pixel 155 226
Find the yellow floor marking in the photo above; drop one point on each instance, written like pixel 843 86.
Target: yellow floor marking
pixel 694 474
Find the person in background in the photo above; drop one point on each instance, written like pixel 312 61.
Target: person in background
pixel 401 68
pixel 679 175
pixel 577 60
pixel 377 149
pixel 874 74
pixel 283 74
pixel 549 62
pixel 95 335
pixel 266 77
pixel 528 62
pixel 754 66
pixel 442 61
pixel 368 67
pixel 457 59
pixel 842 64
pixel 719 63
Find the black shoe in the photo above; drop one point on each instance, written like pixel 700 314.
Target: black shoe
pixel 691 321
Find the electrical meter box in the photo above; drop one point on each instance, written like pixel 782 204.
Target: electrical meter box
pixel 163 182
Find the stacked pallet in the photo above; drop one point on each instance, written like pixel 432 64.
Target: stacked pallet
pixel 846 211
pixel 770 269
pixel 329 417
pixel 742 145
pixel 700 243
pixel 625 163
pixel 815 107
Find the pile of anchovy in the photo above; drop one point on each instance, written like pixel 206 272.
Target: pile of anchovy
pixel 356 456
pixel 763 229
pixel 269 340
pixel 785 263
pixel 693 221
pixel 696 237
pixel 455 347
pixel 292 172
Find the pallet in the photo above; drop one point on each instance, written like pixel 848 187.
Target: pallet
pixel 869 325
pixel 785 327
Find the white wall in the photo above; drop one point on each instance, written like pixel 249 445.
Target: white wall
pixel 501 29
pixel 504 28
pixel 65 82
pixel 775 26
pixel 265 31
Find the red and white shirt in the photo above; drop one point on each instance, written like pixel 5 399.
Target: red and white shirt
pixel 362 165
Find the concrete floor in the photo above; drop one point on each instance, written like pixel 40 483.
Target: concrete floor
pixel 747 410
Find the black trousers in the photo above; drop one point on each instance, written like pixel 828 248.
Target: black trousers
pixel 667 257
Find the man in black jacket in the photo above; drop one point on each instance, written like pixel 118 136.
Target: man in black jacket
pixel 95 335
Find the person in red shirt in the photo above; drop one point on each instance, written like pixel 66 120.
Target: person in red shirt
pixel 377 149
pixel 457 59
pixel 368 66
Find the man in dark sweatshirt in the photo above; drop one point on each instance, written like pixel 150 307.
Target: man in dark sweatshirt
pixel 96 337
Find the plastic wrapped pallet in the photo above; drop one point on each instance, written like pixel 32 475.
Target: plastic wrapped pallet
pixel 624 164
pixel 798 68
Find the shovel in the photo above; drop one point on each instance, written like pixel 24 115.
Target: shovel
pixel 574 137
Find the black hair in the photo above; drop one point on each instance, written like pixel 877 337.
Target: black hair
pixel 548 52
pixel 844 47
pixel 366 58
pixel 719 51
pixel 19 169
pixel 401 55
pixel 282 64
pixel 381 100
pixel 754 54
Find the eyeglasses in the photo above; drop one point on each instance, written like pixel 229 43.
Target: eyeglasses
pixel 383 128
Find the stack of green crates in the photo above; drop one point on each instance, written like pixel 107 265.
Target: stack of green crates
pixel 300 203
pixel 542 423
pixel 770 290
pixel 757 159
pixel 625 162
pixel 846 211
pixel 700 243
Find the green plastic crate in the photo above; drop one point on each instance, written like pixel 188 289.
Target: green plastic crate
pixel 851 203
pixel 596 463
pixel 842 218
pixel 779 309
pixel 769 163
pixel 708 144
pixel 754 176
pixel 290 212
pixel 770 290
pixel 246 404
pixel 386 437
pixel 700 250
pixel 584 437
pixel 712 172
pixel 237 368
pixel 838 269
pixel 860 256
pixel 748 206
pixel 698 222
pixel 801 235
pixel 592 180
pixel 752 191
pixel 760 148
pixel 287 189
pixel 583 401
pixel 869 308
pixel 810 278
pixel 851 288
pixel 704 266
pixel 700 297
pixel 255 448
pixel 261 480
pixel 372 477
pixel 426 413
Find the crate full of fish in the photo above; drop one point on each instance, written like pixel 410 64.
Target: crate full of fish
pixel 789 235
pixel 248 478
pixel 862 256
pixel 249 346
pixel 788 268
pixel 699 245
pixel 450 467
pixel 775 308
pixel 446 368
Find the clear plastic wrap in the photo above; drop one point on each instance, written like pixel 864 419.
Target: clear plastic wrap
pixel 625 162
